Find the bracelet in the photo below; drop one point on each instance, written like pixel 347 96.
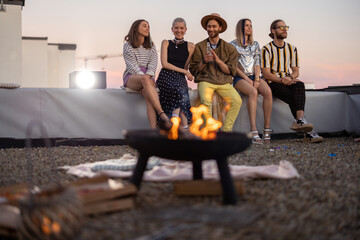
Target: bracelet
pixel 257 79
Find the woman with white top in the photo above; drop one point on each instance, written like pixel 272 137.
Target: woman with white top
pixel 141 61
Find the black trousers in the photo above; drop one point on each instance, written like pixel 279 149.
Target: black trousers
pixel 294 95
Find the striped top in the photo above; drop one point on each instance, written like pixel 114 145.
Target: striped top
pixel 279 59
pixel 139 57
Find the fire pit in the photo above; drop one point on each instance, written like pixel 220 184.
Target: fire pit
pixel 152 143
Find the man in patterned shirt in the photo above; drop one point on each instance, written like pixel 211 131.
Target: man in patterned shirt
pixel 277 58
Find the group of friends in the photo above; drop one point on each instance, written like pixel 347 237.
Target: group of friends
pixel 216 66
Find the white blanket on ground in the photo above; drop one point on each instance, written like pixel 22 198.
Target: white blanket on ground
pixel 169 170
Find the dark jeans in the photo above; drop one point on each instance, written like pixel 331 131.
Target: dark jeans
pixel 294 95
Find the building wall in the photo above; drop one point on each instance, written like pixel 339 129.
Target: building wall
pixel 10 45
pixel 45 65
pixel 53 69
pixel 60 64
pixel 35 63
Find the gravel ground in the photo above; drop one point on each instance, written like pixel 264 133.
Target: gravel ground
pixel 322 204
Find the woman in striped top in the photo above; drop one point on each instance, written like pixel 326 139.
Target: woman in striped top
pixel 141 61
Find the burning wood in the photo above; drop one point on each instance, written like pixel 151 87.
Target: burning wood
pixel 205 129
pixel 202 126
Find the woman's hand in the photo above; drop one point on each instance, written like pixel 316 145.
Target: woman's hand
pixel 189 76
pixel 256 84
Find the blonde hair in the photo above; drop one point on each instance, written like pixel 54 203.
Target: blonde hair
pixel 240 32
pixel 179 19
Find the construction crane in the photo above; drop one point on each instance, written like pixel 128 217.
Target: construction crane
pixel 97 57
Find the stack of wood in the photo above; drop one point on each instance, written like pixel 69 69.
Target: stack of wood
pixel 98 195
pixel 102 194
pixel 9 208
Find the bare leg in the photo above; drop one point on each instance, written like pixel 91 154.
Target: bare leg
pixel 140 81
pixel 299 114
pixel 251 92
pixel 265 91
pixel 151 112
pixel 184 121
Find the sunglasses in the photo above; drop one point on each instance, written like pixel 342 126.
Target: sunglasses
pixel 282 28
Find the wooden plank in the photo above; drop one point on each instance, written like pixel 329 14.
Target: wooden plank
pixel 102 188
pixel 109 206
pixel 204 188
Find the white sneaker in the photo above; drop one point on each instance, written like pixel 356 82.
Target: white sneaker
pixel 312 137
pixel 301 125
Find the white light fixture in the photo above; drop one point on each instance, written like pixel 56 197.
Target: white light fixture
pixel 2 7
pixel 85 79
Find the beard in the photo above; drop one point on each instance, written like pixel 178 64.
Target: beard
pixel 214 34
pixel 281 36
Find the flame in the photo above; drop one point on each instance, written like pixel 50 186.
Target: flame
pixel 173 133
pixel 49 227
pixel 202 125
pixel 228 103
pixel 207 131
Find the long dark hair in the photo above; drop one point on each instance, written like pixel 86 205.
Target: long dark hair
pixel 240 35
pixel 133 35
pixel 273 26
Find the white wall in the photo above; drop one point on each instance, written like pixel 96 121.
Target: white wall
pixel 10 45
pixel 35 63
pixel 53 69
pixel 60 64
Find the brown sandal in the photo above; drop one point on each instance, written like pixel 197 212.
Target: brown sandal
pixel 164 124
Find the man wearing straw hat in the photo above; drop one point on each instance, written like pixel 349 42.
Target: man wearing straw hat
pixel 213 65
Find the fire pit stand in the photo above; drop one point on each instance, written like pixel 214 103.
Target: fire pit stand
pixel 152 143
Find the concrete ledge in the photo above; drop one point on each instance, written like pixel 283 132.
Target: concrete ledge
pixel 104 113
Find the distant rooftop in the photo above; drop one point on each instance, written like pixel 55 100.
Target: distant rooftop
pixel 62 46
pixel 14 2
pixel 351 89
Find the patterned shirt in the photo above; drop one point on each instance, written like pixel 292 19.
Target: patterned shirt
pixel 249 56
pixel 279 59
pixel 140 57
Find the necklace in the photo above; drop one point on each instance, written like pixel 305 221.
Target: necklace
pixel 178 41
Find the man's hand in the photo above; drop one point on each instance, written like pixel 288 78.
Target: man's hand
pixel 288 81
pixel 209 57
pixel 216 58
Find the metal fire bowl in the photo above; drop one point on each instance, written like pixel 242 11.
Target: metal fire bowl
pixel 152 143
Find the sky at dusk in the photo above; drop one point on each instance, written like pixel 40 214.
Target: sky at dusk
pixel 326 32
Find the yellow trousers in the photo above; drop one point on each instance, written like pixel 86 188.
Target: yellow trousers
pixel 228 93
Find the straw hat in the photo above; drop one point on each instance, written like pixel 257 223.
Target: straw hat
pixel 217 17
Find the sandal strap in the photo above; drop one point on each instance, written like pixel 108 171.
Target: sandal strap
pixel 256 137
pixel 266 134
